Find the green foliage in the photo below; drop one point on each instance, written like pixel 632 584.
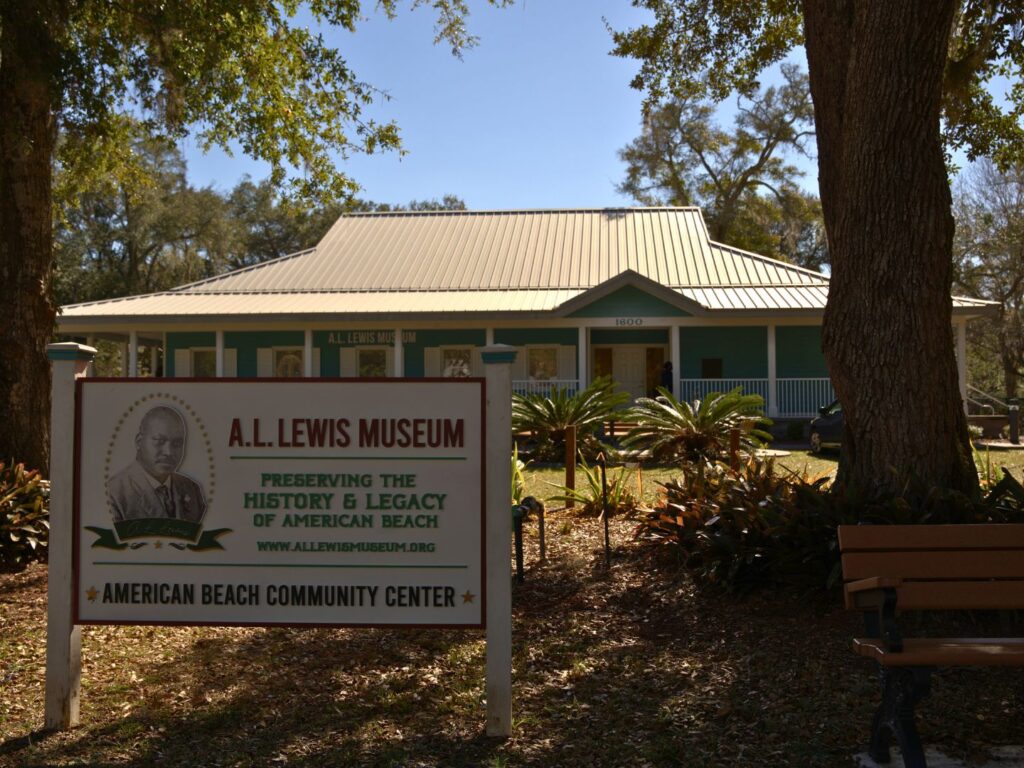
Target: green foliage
pixel 546 418
pixel 676 429
pixel 518 478
pixel 588 497
pixel 755 528
pixel 24 515
pixel 989 211
pixel 708 47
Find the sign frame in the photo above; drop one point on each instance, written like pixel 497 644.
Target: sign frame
pixel 82 382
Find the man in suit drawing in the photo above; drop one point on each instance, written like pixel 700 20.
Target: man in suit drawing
pixel 151 486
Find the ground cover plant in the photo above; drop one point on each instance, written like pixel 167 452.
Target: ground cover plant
pixel 24 515
pixel 630 666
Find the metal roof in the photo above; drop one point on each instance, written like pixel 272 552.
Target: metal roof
pixel 428 263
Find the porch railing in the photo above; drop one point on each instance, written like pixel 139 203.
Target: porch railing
pixel 530 387
pixel 803 397
pixel 698 389
pixel 794 398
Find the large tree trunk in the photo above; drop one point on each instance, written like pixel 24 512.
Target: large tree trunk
pixel 28 94
pixel 876 71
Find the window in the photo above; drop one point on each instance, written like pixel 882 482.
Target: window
pixel 288 363
pixel 711 368
pixel 204 363
pixel 373 363
pixel 456 363
pixel 543 363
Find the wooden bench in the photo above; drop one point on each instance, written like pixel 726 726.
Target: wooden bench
pixel 889 569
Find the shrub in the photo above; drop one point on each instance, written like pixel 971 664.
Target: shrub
pixel 547 418
pixel 588 496
pixel 24 515
pixel 697 431
pixel 751 528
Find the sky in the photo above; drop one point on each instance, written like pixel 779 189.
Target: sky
pixel 533 117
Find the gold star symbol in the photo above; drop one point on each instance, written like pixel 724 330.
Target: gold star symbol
pixel 91 593
pixel 159 545
pixel 467 596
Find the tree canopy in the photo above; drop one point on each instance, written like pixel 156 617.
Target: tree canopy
pixel 251 74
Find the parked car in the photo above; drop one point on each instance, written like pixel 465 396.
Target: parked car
pixel 827 427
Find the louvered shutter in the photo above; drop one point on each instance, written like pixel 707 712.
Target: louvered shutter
pixel 182 363
pixel 432 361
pixel 264 362
pixel 476 362
pixel 567 362
pixel 230 363
pixel 348 362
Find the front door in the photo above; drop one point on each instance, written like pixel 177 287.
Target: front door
pixel 629 369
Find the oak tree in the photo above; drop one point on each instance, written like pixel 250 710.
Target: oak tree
pixel 889 81
pixel 254 74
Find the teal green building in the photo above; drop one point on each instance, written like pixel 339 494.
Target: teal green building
pixel 643 295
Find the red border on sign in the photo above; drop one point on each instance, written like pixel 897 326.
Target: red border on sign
pixel 80 383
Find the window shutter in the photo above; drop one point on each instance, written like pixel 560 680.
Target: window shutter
pixel 316 362
pixel 182 363
pixel 476 362
pixel 520 368
pixel 348 361
pixel 230 363
pixel 389 363
pixel 264 362
pixel 567 362
pixel 432 361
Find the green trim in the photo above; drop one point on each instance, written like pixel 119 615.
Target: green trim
pixel 70 354
pixel 605 336
pixel 798 352
pixel 499 357
pixel 520 337
pixel 743 350
pixel 630 301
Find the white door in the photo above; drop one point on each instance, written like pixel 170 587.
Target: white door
pixel 629 369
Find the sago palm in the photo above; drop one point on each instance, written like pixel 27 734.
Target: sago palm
pixel 671 428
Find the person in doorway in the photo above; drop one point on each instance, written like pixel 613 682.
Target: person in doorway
pixel 151 486
pixel 666 375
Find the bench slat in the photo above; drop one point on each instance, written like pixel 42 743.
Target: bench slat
pixel 947 595
pixel 890 537
pixel 990 564
pixel 937 652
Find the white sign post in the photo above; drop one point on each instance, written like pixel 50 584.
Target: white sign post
pixel 280 502
pixel 63 637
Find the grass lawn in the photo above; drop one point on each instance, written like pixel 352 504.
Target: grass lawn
pixel 622 667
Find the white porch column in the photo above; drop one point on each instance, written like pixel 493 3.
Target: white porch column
pixel 133 353
pixel 124 359
pixel 582 354
pixel 773 395
pixel 675 357
pixel 961 360
pixel 163 351
pixel 488 337
pixel 307 354
pixel 152 360
pixel 399 354
pixel 219 354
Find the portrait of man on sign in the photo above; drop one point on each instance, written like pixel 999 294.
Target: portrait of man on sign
pixel 151 486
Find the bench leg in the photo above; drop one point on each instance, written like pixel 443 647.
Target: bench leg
pixel 902 689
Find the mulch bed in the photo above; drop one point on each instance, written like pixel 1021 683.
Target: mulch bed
pixel 623 667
